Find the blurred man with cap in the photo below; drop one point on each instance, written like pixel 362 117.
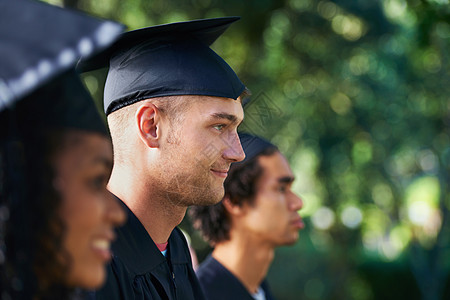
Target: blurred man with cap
pixel 257 214
pixel 173 108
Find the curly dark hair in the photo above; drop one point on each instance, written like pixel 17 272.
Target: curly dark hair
pixel 240 187
pixel 31 230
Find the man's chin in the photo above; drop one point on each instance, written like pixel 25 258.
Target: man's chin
pixel 210 197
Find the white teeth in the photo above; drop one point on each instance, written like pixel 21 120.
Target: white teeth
pixel 101 244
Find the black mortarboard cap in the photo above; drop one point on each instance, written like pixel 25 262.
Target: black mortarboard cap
pixel 168 60
pixel 63 103
pixel 253 145
pixel 40 41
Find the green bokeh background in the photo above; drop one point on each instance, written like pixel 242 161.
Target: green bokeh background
pixel 356 95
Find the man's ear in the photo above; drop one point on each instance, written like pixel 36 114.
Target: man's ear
pixel 148 122
pixel 232 208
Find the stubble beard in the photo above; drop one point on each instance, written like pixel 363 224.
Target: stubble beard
pixel 186 189
pixel 185 183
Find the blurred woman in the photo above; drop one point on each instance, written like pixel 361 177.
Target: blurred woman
pixel 61 214
pixel 56 215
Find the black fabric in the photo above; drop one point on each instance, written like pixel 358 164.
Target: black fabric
pixel 40 41
pixel 253 145
pixel 138 270
pixel 205 31
pixel 64 103
pixel 220 284
pixel 168 60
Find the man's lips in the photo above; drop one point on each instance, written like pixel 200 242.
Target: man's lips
pixel 220 172
pixel 298 223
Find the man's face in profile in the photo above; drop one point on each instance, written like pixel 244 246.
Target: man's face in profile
pixel 199 150
pixel 272 217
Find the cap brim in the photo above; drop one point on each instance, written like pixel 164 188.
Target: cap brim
pixel 253 145
pixel 205 30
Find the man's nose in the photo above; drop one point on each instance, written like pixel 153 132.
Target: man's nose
pixel 234 151
pixel 296 203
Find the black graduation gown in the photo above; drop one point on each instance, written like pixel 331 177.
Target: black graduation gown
pixel 138 270
pixel 220 284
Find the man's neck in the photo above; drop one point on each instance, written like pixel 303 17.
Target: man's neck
pixel 247 260
pixel 158 216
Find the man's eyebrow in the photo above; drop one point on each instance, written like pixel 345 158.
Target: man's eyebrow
pixel 227 116
pixel 286 179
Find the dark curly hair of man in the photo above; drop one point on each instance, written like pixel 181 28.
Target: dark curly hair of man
pixel 240 187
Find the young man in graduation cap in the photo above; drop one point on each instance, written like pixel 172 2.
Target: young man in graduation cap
pixel 257 214
pixel 173 108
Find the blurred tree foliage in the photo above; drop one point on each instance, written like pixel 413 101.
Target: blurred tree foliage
pixel 356 94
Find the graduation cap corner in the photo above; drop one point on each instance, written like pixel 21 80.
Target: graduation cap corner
pixel 41 41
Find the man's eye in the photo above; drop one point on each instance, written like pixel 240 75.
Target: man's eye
pixel 219 127
pixel 282 189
